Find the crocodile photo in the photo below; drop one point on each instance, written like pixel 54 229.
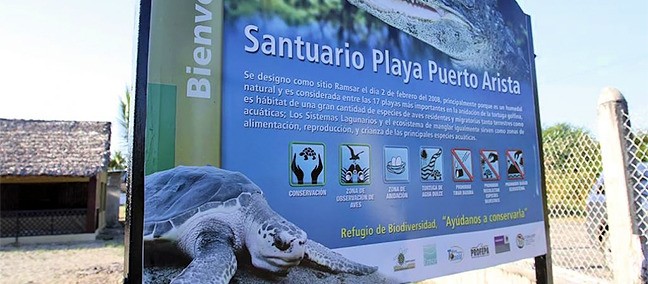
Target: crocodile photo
pixel 472 33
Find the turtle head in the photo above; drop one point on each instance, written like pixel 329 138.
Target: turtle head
pixel 276 244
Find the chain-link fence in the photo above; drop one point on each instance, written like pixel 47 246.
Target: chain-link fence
pixel 638 166
pixel 42 222
pixel 637 141
pixel 576 197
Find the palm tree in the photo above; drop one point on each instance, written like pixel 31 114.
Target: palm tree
pixel 118 161
pixel 124 115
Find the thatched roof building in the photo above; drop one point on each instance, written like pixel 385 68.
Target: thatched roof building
pixel 53 179
pixel 53 148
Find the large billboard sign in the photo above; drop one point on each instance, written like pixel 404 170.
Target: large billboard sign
pixel 369 137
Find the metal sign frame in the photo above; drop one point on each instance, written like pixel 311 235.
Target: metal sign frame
pixel 135 205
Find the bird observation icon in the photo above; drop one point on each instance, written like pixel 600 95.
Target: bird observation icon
pixel 354 164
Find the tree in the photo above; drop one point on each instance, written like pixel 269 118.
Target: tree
pixel 640 143
pixel 572 161
pixel 117 162
pixel 119 159
pixel 124 116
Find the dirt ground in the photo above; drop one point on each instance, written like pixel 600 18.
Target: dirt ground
pixel 99 261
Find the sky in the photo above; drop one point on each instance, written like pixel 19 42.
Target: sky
pixel 65 60
pixel 583 46
pixel 73 59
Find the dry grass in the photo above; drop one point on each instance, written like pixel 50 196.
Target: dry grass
pixel 81 262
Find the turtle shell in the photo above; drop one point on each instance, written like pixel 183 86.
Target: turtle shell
pixel 175 195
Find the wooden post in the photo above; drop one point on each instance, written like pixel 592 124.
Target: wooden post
pixel 113 192
pixel 91 205
pixel 625 243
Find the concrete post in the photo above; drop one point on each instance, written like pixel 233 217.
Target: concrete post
pixel 625 243
pixel 113 191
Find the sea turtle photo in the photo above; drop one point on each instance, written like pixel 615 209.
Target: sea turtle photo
pixel 214 216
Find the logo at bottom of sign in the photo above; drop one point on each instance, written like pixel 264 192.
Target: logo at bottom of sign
pixel 502 244
pixel 402 262
pixel 455 254
pixel 429 255
pixel 480 250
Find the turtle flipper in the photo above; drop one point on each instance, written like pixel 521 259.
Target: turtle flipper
pixel 215 263
pixel 327 259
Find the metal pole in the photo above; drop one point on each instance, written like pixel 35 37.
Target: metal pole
pixel 543 266
pixel 135 206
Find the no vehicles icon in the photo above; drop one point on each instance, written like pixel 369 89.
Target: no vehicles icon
pixel 462 165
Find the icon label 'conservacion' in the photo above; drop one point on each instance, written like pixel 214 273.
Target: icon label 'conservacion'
pixel 396 164
pixel 354 164
pixel 515 164
pixel 307 164
pixel 431 164
pixel 489 164
pixel 462 165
